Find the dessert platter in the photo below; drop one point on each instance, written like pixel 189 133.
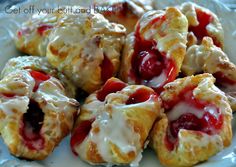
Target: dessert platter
pixel 117 83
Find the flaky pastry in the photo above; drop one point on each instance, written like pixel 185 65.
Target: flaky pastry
pixel 40 64
pixel 114 123
pixel 32 36
pixel 211 59
pixel 202 22
pixel 86 48
pixel 196 124
pixel 35 114
pixel 153 54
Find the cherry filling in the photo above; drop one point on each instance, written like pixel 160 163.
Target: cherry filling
pixel 221 79
pixel 31 125
pixel 148 63
pixel 8 95
pixel 187 112
pixel 80 133
pixel 140 95
pixel 107 69
pixel 39 77
pixel 110 87
pixel 42 28
pixel 200 30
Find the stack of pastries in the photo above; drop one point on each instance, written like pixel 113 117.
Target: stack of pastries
pixel 162 79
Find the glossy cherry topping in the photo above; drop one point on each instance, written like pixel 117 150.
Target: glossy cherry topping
pixel 200 116
pixel 39 77
pixel 200 30
pixel 80 133
pixel 8 95
pixel 31 125
pixel 147 62
pixel 110 86
pixel 140 95
pixel 107 69
pixel 42 28
pixel 222 79
pixel 187 121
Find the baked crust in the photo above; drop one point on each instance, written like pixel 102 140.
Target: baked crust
pixel 32 36
pixel 19 99
pixel 41 64
pixel 192 146
pixel 82 45
pixel 211 59
pixel 119 129
pixel 167 30
pixel 197 17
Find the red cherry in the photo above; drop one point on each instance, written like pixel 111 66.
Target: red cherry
pixel 110 86
pixel 222 79
pixel 42 28
pixel 211 123
pixel 39 77
pixel 139 96
pixel 150 66
pixel 200 30
pixel 31 125
pixel 8 95
pixel 80 133
pixel 187 121
pixel 107 69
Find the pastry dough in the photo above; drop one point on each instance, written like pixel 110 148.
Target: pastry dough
pixel 153 54
pixel 86 48
pixel 202 22
pixel 38 64
pixel 32 36
pixel 196 124
pixel 125 12
pixel 211 59
pixel 114 123
pixel 35 114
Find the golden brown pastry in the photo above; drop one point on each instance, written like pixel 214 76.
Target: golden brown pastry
pixel 40 64
pixel 211 59
pixel 125 12
pixel 86 48
pixel 196 124
pixel 32 36
pixel 35 114
pixel 153 54
pixel 114 123
pixel 202 22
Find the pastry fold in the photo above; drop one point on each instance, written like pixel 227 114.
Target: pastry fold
pixel 35 113
pixel 114 123
pixel 196 124
pixel 153 54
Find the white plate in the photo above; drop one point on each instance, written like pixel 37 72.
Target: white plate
pixel 62 156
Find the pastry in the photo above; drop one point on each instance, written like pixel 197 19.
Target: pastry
pixel 40 64
pixel 196 124
pixel 211 59
pixel 125 12
pixel 202 22
pixel 153 54
pixel 32 37
pixel 86 48
pixel 114 123
pixel 35 114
